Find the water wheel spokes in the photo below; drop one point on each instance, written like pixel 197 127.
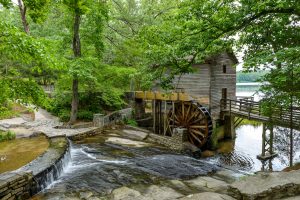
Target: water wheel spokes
pixel 192 116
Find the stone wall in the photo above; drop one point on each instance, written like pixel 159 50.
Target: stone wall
pixel 36 175
pixel 15 185
pixel 100 120
pixel 85 134
pixel 167 141
pixel 176 142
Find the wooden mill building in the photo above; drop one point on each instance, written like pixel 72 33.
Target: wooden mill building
pixel 213 80
pixel 195 104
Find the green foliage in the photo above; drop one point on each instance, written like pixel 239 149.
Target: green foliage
pixel 23 91
pixel 37 9
pixel 6 112
pixel 130 122
pixel 103 91
pixel 85 115
pixel 9 135
pixel 18 46
pixel 6 3
pixel 246 77
pixel 124 40
pixel 250 122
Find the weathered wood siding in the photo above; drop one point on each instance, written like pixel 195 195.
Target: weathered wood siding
pixel 220 80
pixel 207 82
pixel 196 84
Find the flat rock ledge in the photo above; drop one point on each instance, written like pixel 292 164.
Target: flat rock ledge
pixel 267 186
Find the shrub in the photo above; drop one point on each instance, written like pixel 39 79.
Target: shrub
pixel 9 135
pixel 5 113
pixel 64 115
pixel 85 115
pixel 130 122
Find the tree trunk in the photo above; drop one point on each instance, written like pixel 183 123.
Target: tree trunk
pixel 77 53
pixel 75 100
pixel 22 8
pixel 76 38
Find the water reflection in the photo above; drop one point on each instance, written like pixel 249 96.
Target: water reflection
pixel 16 153
pixel 241 153
pixel 282 145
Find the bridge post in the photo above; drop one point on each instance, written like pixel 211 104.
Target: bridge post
pixel 229 129
pixel 267 143
pixel 266 165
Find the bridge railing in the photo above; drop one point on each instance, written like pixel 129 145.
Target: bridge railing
pixel 252 109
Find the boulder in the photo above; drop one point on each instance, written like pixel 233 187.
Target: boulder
pixel 125 193
pixel 137 135
pixel 180 186
pixel 161 193
pixel 85 195
pixel 12 123
pixel 292 198
pixel 208 183
pixel 273 185
pixel 228 175
pixel 126 142
pixel 207 196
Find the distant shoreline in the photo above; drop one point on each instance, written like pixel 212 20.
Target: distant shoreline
pixel 250 84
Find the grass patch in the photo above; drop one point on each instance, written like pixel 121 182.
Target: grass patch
pixel 14 110
pixel 9 135
pixel 6 113
pixel 250 122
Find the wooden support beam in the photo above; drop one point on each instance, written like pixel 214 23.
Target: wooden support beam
pixel 154 115
pixel 173 96
pixel 165 117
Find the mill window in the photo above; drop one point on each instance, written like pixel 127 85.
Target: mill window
pixel 224 69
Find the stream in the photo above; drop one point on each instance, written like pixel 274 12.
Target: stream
pixel 98 166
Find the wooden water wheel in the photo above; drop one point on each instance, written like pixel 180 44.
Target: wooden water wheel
pixel 195 118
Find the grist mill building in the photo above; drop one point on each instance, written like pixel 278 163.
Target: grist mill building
pixel 212 81
pixel 195 103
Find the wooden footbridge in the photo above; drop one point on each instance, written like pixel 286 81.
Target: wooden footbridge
pixel 247 108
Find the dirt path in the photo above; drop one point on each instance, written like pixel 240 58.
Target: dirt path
pixel 44 123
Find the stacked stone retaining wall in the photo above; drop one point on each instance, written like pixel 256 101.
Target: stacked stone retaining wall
pixel 15 185
pixel 100 120
pixel 174 143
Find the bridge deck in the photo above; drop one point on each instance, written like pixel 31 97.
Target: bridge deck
pixel 249 109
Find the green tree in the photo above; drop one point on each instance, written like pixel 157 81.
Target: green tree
pixel 19 47
pixel 94 12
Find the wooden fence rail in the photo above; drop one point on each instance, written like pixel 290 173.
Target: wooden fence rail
pixel 247 108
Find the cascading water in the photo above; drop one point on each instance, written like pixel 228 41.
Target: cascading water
pixel 100 167
pixel 47 177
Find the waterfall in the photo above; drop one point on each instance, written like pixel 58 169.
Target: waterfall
pixel 47 177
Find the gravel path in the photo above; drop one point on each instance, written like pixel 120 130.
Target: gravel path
pixel 44 123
